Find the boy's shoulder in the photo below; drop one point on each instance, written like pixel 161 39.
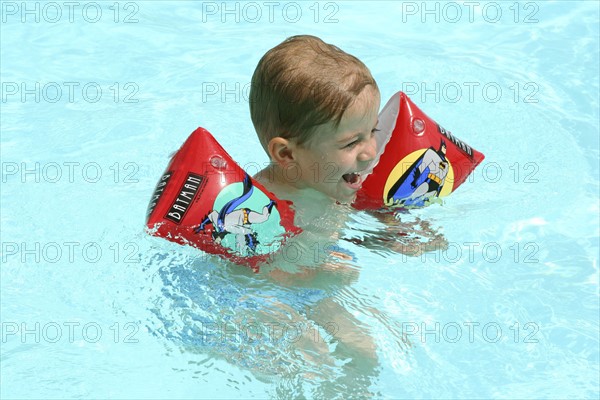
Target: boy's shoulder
pixel 309 205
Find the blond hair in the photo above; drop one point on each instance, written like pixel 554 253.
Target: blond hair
pixel 302 83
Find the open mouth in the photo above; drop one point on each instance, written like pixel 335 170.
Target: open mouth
pixel 353 179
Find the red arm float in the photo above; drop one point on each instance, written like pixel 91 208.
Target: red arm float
pixel 421 160
pixel 206 200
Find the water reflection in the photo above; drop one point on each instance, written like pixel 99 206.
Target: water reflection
pixel 299 324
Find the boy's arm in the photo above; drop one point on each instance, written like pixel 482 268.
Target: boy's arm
pixel 409 238
pixel 308 260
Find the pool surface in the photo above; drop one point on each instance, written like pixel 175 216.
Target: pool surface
pixel 97 95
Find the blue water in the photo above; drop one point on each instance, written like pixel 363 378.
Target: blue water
pixel 93 307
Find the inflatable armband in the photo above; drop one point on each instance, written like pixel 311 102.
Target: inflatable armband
pixel 421 160
pixel 206 200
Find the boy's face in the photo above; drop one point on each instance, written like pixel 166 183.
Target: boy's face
pixel 334 158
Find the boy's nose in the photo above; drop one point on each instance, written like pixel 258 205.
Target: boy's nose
pixel 369 152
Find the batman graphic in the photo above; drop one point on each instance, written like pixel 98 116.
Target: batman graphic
pixel 229 219
pixel 422 180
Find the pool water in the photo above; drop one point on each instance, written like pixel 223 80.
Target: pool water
pixel 95 97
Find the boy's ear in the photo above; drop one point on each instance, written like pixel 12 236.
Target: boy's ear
pixel 281 151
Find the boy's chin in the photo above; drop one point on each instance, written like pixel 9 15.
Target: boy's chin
pixel 341 194
pixel 346 196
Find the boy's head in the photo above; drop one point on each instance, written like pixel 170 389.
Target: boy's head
pixel 306 98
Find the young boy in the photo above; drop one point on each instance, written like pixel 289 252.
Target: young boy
pixel 314 108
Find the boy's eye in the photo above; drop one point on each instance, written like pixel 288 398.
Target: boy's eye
pixel 352 144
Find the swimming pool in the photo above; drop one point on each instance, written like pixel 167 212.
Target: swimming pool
pixel 95 96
